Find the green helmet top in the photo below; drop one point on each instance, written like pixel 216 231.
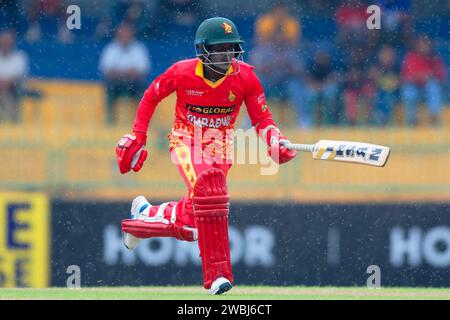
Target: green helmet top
pixel 217 30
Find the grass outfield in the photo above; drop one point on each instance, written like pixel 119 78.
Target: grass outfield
pixel 237 293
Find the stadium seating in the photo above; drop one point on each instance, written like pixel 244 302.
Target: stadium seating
pixel 64 146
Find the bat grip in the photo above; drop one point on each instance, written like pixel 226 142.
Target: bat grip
pixel 300 147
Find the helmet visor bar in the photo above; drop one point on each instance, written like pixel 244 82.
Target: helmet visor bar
pixel 231 55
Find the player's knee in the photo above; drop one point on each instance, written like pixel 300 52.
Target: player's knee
pixel 211 182
pixel 211 192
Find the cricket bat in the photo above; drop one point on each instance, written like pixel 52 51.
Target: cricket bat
pixel 346 151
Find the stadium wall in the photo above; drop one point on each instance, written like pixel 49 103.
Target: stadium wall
pixel 271 244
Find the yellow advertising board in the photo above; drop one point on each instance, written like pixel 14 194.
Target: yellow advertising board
pixel 24 240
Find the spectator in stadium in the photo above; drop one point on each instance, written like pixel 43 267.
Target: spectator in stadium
pixel 141 14
pixel 277 60
pixel 323 88
pixel 279 26
pixel 125 64
pixel 47 18
pixel 13 69
pixel 358 95
pixel 184 13
pixel 386 75
pixel 396 24
pixel 423 75
pixel 351 26
pixel 353 38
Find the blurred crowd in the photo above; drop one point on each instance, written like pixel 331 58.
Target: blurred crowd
pixel 358 76
pixel 361 76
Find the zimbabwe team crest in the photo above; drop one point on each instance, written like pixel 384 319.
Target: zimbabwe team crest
pixel 227 28
pixel 231 96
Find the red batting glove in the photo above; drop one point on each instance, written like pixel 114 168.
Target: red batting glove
pixel 130 152
pixel 277 150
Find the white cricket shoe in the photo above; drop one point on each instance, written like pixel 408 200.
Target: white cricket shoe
pixel 130 241
pixel 140 209
pixel 219 286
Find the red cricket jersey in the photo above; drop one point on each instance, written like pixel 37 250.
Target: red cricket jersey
pixel 203 103
pixel 417 69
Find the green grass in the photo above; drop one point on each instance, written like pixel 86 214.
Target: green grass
pixel 237 293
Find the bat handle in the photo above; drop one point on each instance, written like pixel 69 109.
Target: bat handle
pixel 300 147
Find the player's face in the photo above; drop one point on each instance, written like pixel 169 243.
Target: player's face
pixel 222 56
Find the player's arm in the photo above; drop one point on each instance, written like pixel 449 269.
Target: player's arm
pixel 130 150
pixel 263 122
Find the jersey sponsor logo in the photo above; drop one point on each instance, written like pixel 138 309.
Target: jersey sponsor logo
pixel 215 123
pixel 210 110
pixel 196 93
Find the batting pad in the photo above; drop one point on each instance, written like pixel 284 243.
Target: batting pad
pixel 211 207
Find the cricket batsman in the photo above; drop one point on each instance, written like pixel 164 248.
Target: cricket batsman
pixel 210 91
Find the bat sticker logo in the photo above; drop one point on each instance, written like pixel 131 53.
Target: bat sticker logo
pixel 361 152
pixel 375 155
pixel 346 151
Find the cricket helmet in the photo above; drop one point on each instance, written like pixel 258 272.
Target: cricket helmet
pixel 215 31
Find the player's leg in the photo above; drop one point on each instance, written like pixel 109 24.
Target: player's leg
pixel 170 219
pixel 206 207
pixel 207 188
pixel 211 208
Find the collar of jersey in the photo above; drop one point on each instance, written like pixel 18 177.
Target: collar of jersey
pixel 199 73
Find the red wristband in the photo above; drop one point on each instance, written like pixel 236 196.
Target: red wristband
pixel 141 137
